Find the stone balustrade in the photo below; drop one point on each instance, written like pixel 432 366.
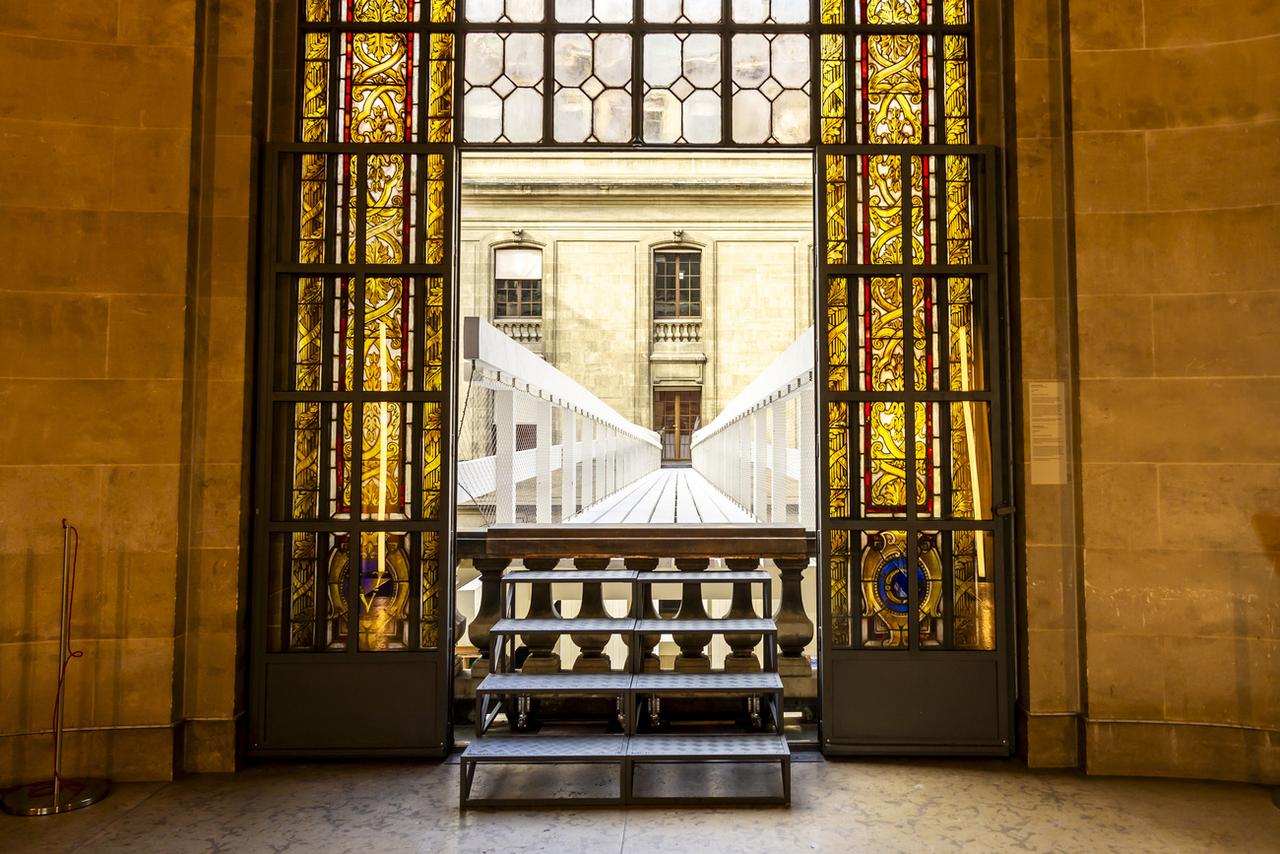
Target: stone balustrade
pixel 705 550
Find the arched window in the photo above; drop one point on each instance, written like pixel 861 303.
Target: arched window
pixel 517 282
pixel 677 283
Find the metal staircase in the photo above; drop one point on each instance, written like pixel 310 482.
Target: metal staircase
pixel 637 692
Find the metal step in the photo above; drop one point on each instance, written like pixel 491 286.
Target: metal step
pixel 705 683
pixel 575 625
pixel 546 748
pixel 722 627
pixel 707 576
pixel 598 684
pixel 731 746
pixel 532 576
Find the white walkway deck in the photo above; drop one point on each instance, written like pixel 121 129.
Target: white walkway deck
pixel 666 496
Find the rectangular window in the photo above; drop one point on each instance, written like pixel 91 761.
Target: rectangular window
pixel 517 283
pixel 677 284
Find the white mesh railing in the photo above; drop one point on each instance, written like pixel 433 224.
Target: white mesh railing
pixel 533 444
pixel 760 449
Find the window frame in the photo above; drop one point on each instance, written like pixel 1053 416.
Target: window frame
pixel 520 286
pixel 677 302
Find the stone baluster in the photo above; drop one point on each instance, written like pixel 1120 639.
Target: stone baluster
pixel 591 658
pixel 795 629
pixel 651 662
pixel 693 656
pixel 489 610
pixel 742 659
pixel 542 655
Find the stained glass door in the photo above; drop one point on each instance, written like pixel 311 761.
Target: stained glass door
pixel 916 646
pixel 352 649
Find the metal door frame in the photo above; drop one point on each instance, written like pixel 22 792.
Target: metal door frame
pixel 278 188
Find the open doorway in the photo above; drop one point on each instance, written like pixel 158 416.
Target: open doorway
pixel 638 350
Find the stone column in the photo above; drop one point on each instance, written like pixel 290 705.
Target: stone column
pixel 488 611
pixel 542 656
pixel 742 659
pixel 795 629
pixel 591 658
pixel 693 656
pixel 651 662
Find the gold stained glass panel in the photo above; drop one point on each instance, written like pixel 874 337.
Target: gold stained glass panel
pixel 379 100
pixel 965 333
pixel 386 368
pixel 837 228
pixel 922 180
pixel 389 193
pixel 838 459
pixel 302 590
pixel 435 209
pixel 433 334
pixel 924 312
pixel 381 11
pixel 880 211
pixel 432 439
pixel 838 586
pixel 832 12
pixel 970 449
pixel 838 333
pixel 973 590
pixel 317 10
pixel 891 11
pixel 893 71
pixel 440 105
pixel 383 591
pixel 305 502
pixel 442 11
pixel 959 202
pixel 955 55
pixel 883 431
pixel 834 88
pixel 955 12
pixel 880 334
pixel 429 625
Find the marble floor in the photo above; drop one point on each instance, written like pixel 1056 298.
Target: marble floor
pixel 839 806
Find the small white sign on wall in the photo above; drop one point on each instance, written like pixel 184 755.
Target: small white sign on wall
pixel 1048 451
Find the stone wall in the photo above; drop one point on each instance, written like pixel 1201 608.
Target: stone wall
pixel 598 219
pixel 1176 137
pixel 123 376
pixel 1146 197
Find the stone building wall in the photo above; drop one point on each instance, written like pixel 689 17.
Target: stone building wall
pixel 598 220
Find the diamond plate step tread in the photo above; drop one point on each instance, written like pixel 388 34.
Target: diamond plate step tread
pixel 612 625
pixel 707 682
pixel 529 576
pixel 513 748
pixel 554 683
pixel 703 576
pixel 723 626
pixel 765 746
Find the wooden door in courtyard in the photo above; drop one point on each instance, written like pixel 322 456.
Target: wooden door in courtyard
pixel 676 415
